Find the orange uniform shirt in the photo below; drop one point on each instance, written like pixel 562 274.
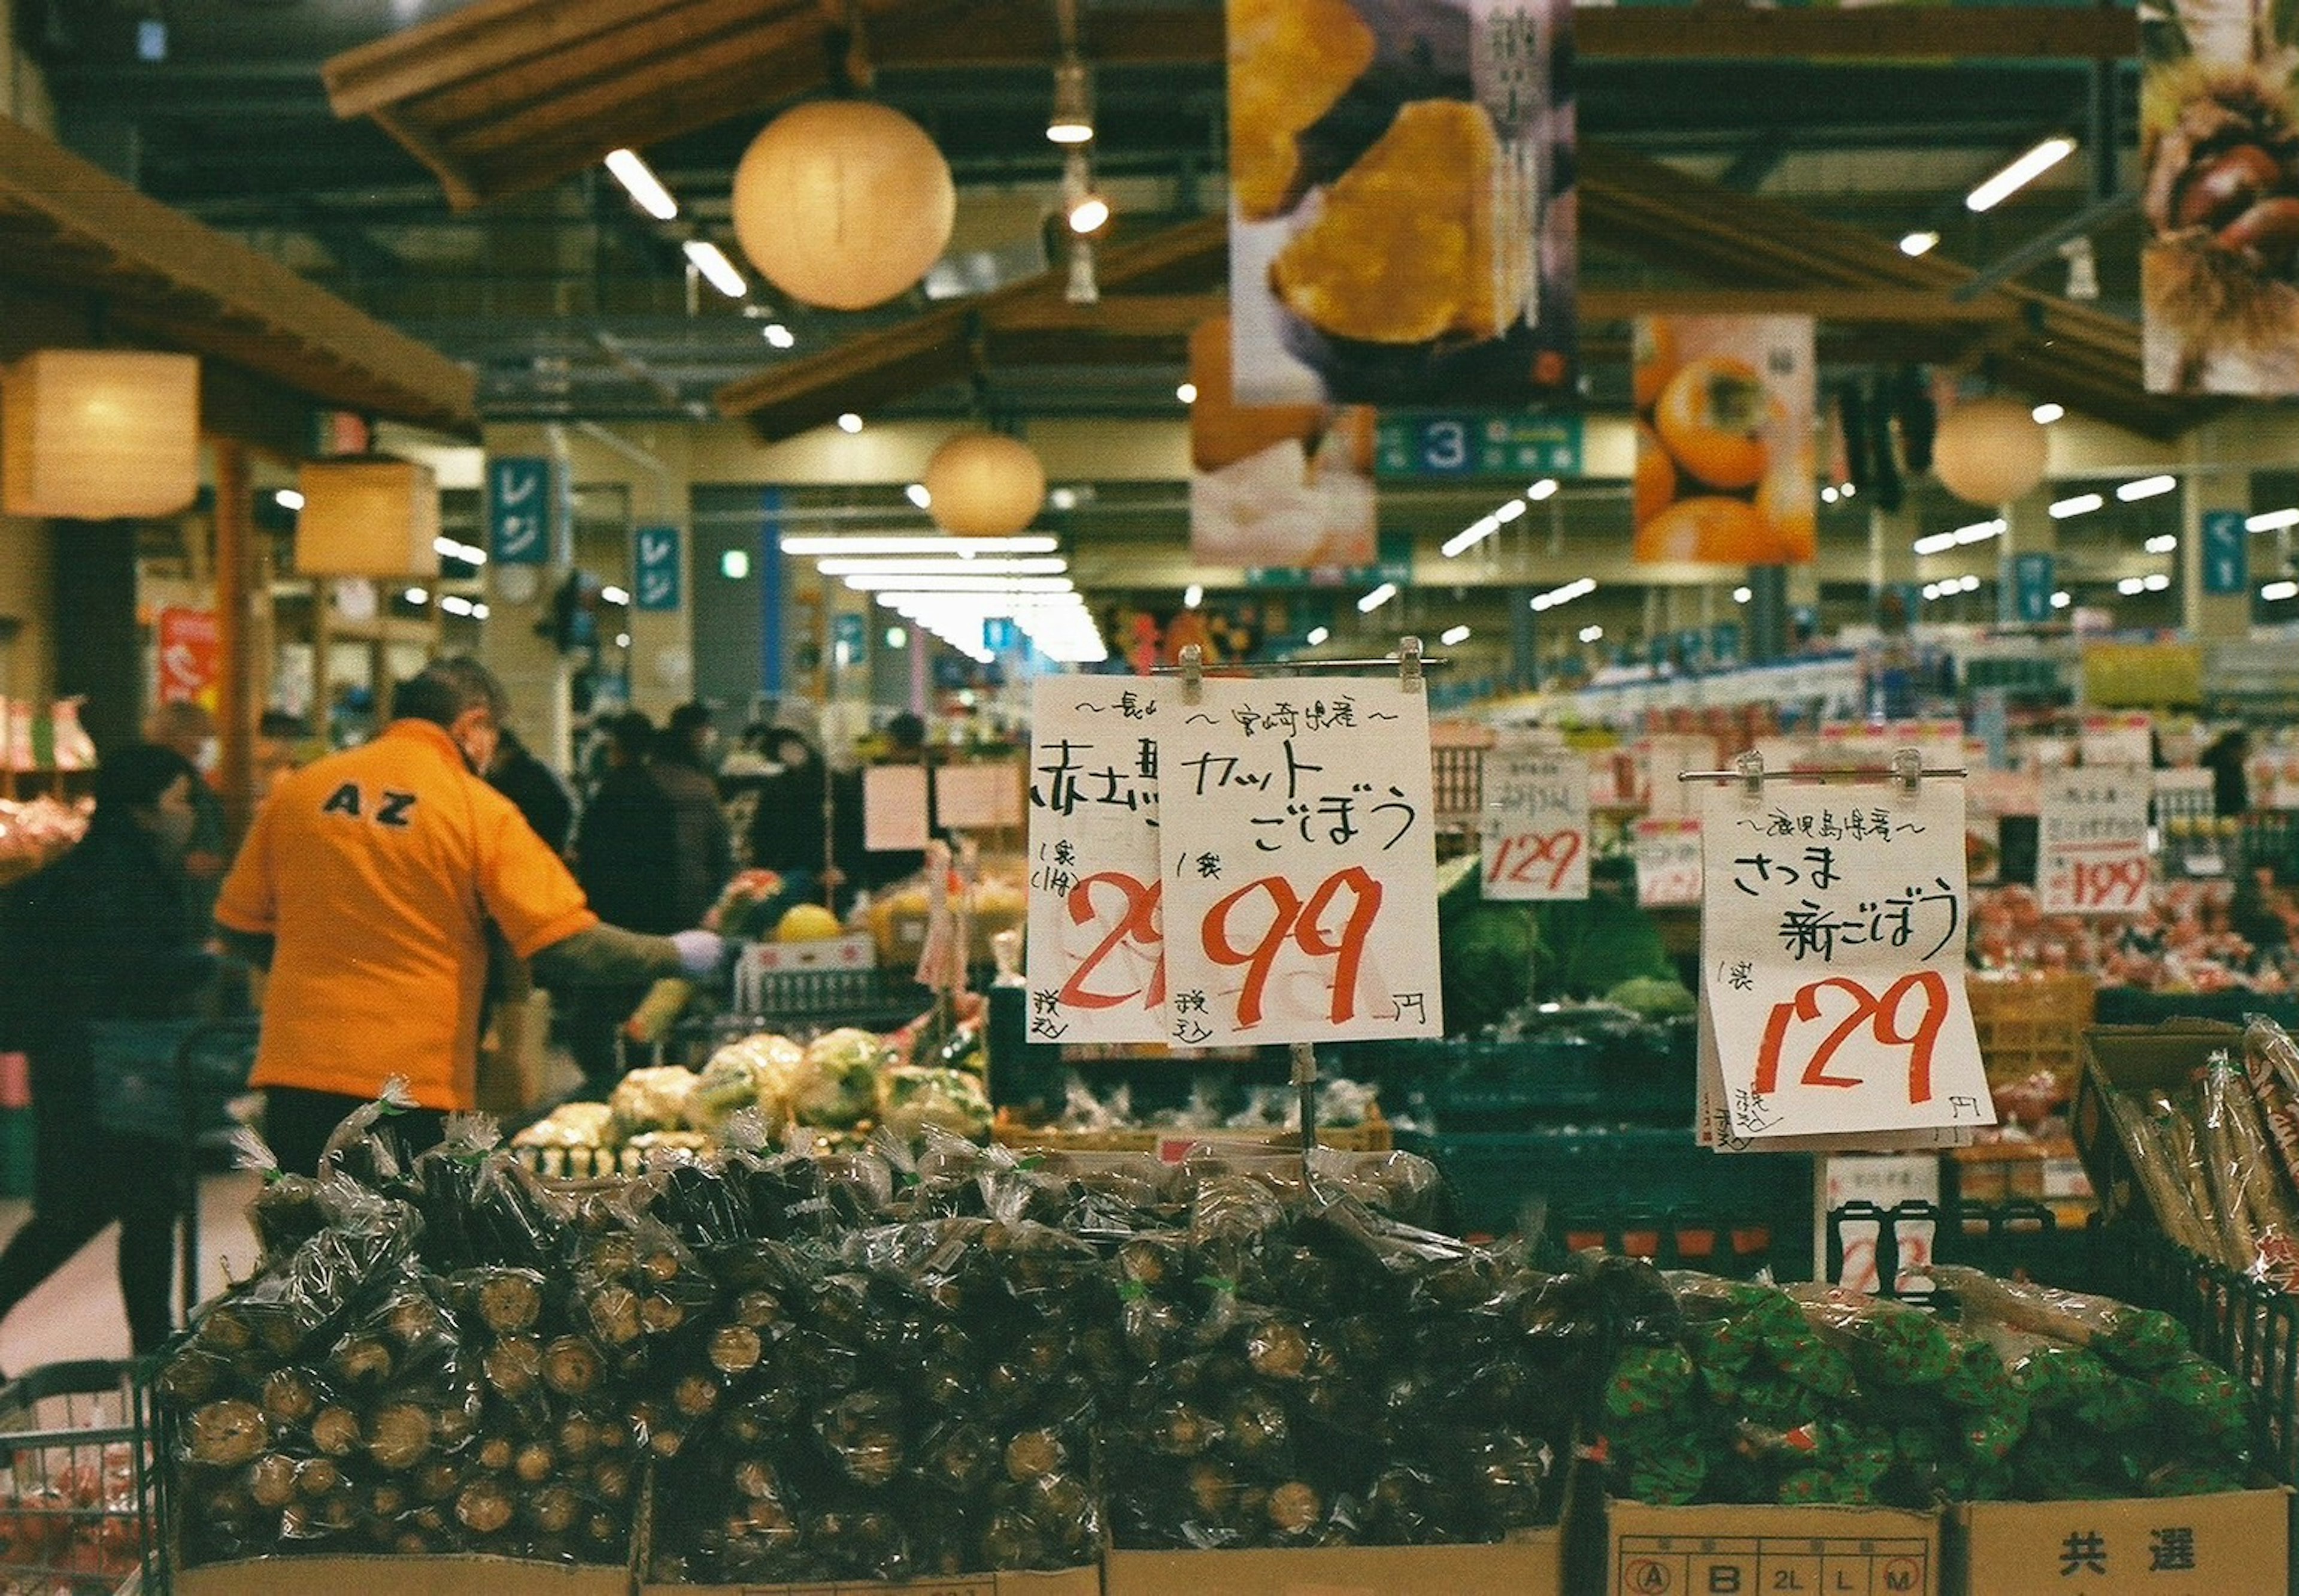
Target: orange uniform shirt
pixel 375 870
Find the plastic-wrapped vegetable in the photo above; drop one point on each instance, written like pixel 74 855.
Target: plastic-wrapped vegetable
pixel 651 1099
pixel 2133 1338
pixel 911 1099
pixel 837 1082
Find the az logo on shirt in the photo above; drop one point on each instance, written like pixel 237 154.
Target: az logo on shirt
pixel 392 811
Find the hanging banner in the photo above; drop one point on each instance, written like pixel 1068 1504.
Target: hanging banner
pixel 189 655
pixel 1535 826
pixel 1668 863
pixel 1297 837
pixel 1096 950
pixel 1400 233
pixel 2220 313
pixel 519 511
pixel 1831 990
pixel 1725 463
pixel 2092 841
pixel 1275 486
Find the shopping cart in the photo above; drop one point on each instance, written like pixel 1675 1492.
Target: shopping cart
pixel 76 1440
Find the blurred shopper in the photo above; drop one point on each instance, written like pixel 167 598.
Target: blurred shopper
pixel 625 855
pixel 366 885
pixel 190 732
pixel 280 747
pixel 788 828
pixel 106 933
pixel 534 790
pixel 703 847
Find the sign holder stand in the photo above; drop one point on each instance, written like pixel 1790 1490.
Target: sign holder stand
pixel 1907 769
pixel 1410 663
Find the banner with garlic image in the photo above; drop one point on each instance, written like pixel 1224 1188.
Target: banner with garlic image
pixel 2219 276
pixel 1398 233
pixel 1287 486
pixel 1725 462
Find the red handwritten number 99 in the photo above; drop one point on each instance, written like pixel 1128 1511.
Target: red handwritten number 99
pixel 1881 1013
pixel 1137 922
pixel 1301 922
pixel 2115 883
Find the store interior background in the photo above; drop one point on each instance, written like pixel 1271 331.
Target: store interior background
pixel 593 342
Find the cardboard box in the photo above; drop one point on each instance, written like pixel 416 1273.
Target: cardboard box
pixel 393 1577
pixel 1069 1582
pixel 2226 1545
pixel 1813 1552
pixel 2136 1059
pixel 1529 1565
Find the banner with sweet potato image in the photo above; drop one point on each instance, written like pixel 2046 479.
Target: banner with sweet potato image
pixel 1725 463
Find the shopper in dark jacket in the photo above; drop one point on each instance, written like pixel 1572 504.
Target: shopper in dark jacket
pixel 787 827
pixel 535 789
pixel 626 858
pixel 703 853
pixel 104 934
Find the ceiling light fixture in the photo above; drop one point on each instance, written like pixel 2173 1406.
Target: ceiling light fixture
pixel 2162 542
pixel 1318 637
pixel 1581 587
pixel 778 337
pixel 2155 582
pixel 1375 599
pixel 1544 488
pixel 417 595
pixel 849 423
pixel 1072 121
pixel 1741 595
pixel 288 498
pixel 1922 242
pixel 614 595
pixel 716 270
pixel 1592 634
pixel 2063 599
pixel 1088 214
pixel 2130 586
pixel 639 181
pixel 2047 412
pixel 917 494
pixel 964 566
pixel 2275 592
pixel 2060 509
pixel 1187 393
pixel 1828 495
pixel 2146 488
pixel 1192 596
pixel 1452 636
pixel 2023 170
pixel 867 544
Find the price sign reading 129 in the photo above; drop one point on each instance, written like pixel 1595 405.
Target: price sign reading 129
pixel 1536 825
pixel 1299 891
pixel 2092 843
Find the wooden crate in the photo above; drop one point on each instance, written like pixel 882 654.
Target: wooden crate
pixel 2031 1023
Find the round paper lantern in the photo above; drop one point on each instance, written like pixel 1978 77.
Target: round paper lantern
pixel 983 485
pixel 1989 452
pixel 843 203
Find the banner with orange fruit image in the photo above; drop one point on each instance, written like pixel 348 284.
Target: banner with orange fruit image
pixel 1725 465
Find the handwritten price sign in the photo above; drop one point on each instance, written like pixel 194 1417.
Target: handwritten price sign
pixel 1833 922
pixel 1299 889
pixel 1096 956
pixel 2092 835
pixel 1668 863
pixel 1536 826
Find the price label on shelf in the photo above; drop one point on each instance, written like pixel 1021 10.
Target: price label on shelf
pixel 2111 741
pixel 1297 839
pixel 1832 936
pixel 2092 841
pixel 1668 863
pixel 1096 955
pixel 1535 827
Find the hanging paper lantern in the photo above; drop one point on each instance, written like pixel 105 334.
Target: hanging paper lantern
pixel 94 434
pixel 1989 452
pixel 843 203
pixel 985 485
pixel 367 518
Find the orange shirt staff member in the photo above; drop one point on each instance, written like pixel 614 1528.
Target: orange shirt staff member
pixel 366 885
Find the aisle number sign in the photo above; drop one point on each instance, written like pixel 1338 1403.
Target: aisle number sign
pixel 1832 936
pixel 1096 955
pixel 1668 863
pixel 1411 444
pixel 1298 842
pixel 1535 829
pixel 2092 841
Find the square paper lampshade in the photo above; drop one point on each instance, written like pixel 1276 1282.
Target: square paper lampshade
pixel 367 518
pixel 94 434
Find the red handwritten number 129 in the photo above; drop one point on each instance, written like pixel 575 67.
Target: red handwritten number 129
pixel 1517 857
pixel 1882 1014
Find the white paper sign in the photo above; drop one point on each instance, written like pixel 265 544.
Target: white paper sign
pixel 1096 954
pixel 1660 759
pixel 985 797
pixel 1832 936
pixel 2117 740
pixel 1668 863
pixel 2092 841
pixel 1296 837
pixel 893 808
pixel 1535 827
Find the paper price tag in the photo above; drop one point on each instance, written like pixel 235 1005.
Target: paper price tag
pixel 2092 836
pixel 986 797
pixel 1096 956
pixel 893 808
pixel 1297 839
pixel 2110 741
pixel 1832 998
pixel 1668 863
pixel 1535 830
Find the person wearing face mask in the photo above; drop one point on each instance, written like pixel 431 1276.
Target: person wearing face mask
pixel 366 886
pixel 187 728
pixel 104 934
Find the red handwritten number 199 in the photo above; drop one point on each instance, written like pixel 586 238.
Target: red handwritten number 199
pixel 1514 859
pixel 2111 883
pixel 1882 1014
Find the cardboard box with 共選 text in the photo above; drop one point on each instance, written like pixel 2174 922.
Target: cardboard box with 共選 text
pixel 1529 1565
pixel 2225 1544
pixel 1746 1550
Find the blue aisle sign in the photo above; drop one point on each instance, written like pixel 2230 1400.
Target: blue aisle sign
pixel 519 511
pixel 1000 635
pixel 2032 588
pixel 658 579
pixel 1409 444
pixel 2227 552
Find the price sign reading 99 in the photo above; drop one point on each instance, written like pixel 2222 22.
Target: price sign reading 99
pixel 1536 826
pixel 1299 891
pixel 2092 843
pixel 1833 924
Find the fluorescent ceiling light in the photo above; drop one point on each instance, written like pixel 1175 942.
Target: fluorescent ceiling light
pixel 2146 488
pixel 1592 634
pixel 1089 214
pixel 1318 637
pixel 779 335
pixel 450 549
pixel 417 595
pixel 2277 592
pixel 2084 504
pixel 734 565
pixel 2155 581
pixel 639 181
pixel 2162 542
pixel 978 585
pixel 1577 588
pixel 1741 595
pixel 1187 393
pixel 849 423
pixel 1544 488
pixel 719 271
pixel 2063 599
pixel 2023 170
pixel 2130 585
pixel 815 547
pixel 2271 520
pixel 1979 531
pixel 1042 565
pixel 1375 599
pixel 1932 590
pixel 2047 412
pixel 1192 596
pixel 288 498
pixel 1470 536
pixel 1922 242
pixel 614 595
pixel 1934 543
pixel 1452 635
